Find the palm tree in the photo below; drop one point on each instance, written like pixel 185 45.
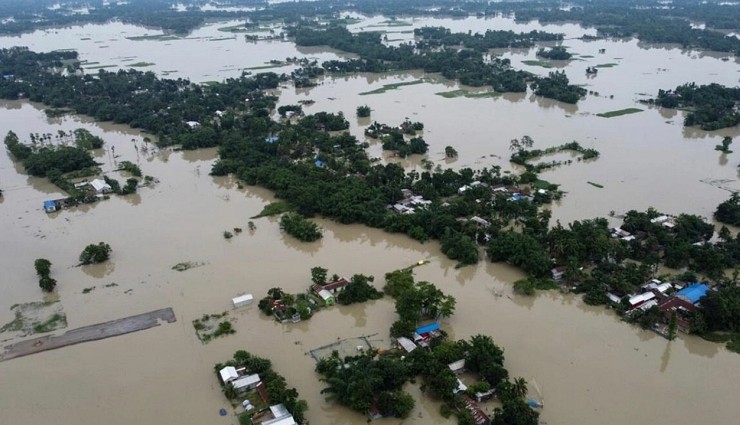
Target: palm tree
pixel 520 389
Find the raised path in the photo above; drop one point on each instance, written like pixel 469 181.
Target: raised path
pixel 95 332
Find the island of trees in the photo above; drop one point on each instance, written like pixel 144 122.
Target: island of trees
pixel 710 106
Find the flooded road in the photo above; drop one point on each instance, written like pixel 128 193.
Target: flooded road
pixel 590 367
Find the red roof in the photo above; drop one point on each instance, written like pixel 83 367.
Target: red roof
pixel 341 283
pixel 264 395
pixel 479 415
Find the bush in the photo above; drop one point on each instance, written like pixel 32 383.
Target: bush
pixel 300 228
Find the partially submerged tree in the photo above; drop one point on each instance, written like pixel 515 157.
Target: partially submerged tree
pixel 95 253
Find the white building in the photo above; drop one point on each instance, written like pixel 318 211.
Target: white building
pixel 246 383
pixel 100 186
pixel 228 374
pixel 242 300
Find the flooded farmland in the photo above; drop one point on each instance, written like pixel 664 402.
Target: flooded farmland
pixel 590 367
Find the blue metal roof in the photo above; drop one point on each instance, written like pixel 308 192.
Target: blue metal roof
pixel 321 164
pixel 428 328
pixel 272 139
pixel 694 292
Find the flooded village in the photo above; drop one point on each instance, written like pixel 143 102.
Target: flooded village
pixel 582 363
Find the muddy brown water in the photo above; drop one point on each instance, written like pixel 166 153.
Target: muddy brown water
pixel 590 367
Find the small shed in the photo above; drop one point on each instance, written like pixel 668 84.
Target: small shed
pixel 228 374
pixel 242 300
pixel 458 366
pixel 50 206
pixel 406 344
pixel 326 296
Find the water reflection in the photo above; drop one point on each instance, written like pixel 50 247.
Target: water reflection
pixel 665 357
pixel 99 270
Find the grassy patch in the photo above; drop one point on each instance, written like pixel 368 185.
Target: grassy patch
pixel 543 64
pixel 586 56
pixel 101 66
pixel 160 37
pixel 393 86
pixel 35 317
pixel 606 65
pixel 275 208
pixel 619 112
pixel 596 185
pixel 88 290
pixel 234 28
pixel 470 95
pixel 209 327
pixel 56 321
pixel 187 265
pixel 252 68
pixel 141 64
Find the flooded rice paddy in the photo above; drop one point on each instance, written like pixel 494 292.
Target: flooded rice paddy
pixel 590 367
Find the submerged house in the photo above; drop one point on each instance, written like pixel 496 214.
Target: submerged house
pixel 246 383
pixel 100 186
pixel 50 206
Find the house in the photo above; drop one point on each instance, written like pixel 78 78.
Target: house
pixel 100 186
pixel 558 273
pixel 228 374
pixel 246 383
pixel 50 206
pixel 613 298
pixel 482 223
pixel 242 300
pixel 681 308
pixel 406 344
pixel 407 193
pixel 320 164
pixel 472 185
pixel 637 300
pixel 693 293
pixel 485 396
pixel 335 286
pixel 280 416
pixel 272 139
pixel 617 232
pixel 499 188
pixel 457 367
pixel 193 125
pixel 428 329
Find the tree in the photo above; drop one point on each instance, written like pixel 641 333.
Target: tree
pixel 672 326
pixel 318 275
pixel 95 253
pixel 363 111
pixel 300 228
pixel 359 290
pixel 43 267
pixel 450 152
pixel 47 284
pixel 725 146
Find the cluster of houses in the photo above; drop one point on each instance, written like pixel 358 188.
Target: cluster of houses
pixel 274 415
pixel 95 188
pixel 409 203
pixel 421 338
pixel 669 298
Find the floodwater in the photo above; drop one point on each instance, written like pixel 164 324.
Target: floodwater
pixel 590 367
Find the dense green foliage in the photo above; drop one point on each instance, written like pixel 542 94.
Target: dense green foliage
pixel 556 86
pixel 95 253
pixel 363 111
pixel 359 290
pixel 41 160
pixel 729 211
pixel 139 99
pixel 711 106
pixel 300 227
pixel 556 53
pixel 275 384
